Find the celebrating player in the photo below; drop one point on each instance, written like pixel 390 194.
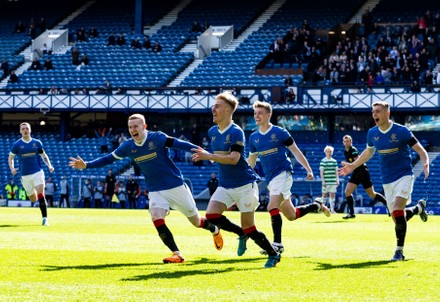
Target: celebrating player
pixel 392 142
pixel 272 144
pixel 237 180
pixel 164 180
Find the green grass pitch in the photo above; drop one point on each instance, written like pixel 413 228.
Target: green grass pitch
pixel 116 255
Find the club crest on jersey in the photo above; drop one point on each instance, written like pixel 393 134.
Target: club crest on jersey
pixel 151 145
pixel 273 138
pixel 34 145
pixel 394 137
pixel 228 139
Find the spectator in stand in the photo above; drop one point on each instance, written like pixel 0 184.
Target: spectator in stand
pixel 120 40
pixel 415 87
pixel 20 27
pixel 196 28
pixel 36 65
pixel 157 47
pixel 147 43
pixel 106 88
pixel 81 35
pixel 5 67
pixel 45 50
pixel 103 137
pixel 53 90
pixel 94 32
pixel 379 79
pixel 75 56
pixel 32 32
pixel 84 60
pixel 111 40
pixel 135 43
pixel 48 65
pixel 287 82
pixel 13 78
pixel 290 96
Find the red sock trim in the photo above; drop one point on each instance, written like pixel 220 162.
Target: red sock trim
pixel 298 213
pixel 159 222
pixel 250 230
pixel 213 216
pixel 202 222
pixel 398 213
pixel 274 212
pixel 40 195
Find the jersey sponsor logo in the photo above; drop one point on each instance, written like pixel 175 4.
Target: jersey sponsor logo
pixel 247 205
pixel 388 151
pixel 257 141
pixel 376 138
pixel 213 138
pixel 267 152
pixel 28 154
pixel 134 151
pixel 145 157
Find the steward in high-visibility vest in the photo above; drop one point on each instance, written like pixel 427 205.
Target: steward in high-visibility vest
pixel 11 190
pixel 22 194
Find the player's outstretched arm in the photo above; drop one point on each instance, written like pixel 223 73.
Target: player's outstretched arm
pixel 77 163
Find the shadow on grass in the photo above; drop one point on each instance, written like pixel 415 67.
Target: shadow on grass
pixel 94 267
pixel 10 225
pixel 198 272
pixel 122 265
pixel 366 264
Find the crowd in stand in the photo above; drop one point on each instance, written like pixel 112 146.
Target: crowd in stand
pixel 401 55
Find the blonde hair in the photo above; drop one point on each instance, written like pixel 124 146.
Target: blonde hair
pixel 137 116
pixel 265 105
pixel 382 104
pixel 329 148
pixel 229 98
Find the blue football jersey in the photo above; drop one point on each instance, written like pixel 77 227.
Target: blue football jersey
pixel 29 155
pixel 152 158
pixel 394 151
pixel 269 146
pixel 231 176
